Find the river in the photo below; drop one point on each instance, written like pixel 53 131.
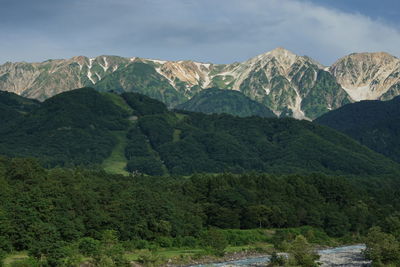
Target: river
pixel 350 256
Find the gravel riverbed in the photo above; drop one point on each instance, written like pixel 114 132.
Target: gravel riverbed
pixel 350 256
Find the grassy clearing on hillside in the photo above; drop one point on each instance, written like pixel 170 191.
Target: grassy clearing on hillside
pixel 117 161
pixel 177 135
pixel 118 100
pixel 15 257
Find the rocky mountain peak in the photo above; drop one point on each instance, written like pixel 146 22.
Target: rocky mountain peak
pixel 367 76
pixel 376 58
pixel 281 52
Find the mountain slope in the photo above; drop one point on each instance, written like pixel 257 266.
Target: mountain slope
pixel 81 127
pixel 141 78
pixel 368 76
pixel 219 101
pixel 288 84
pixel 375 124
pixel 51 77
pixel 69 128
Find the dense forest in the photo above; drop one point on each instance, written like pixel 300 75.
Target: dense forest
pixel 85 128
pixel 45 210
pixel 375 124
pixel 215 100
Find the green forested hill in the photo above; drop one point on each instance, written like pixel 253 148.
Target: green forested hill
pixel 13 106
pixel 219 101
pixel 69 128
pixel 375 124
pixel 16 102
pixel 84 127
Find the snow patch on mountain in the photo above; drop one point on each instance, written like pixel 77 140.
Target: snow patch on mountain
pixel 105 66
pixel 89 74
pixel 157 61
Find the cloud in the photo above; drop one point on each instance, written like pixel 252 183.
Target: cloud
pixel 220 31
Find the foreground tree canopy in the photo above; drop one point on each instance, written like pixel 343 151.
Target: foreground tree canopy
pixel 40 206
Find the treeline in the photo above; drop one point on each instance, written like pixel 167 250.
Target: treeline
pixel 41 208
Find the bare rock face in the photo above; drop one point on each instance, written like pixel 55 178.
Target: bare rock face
pixel 288 84
pixel 368 76
pixel 187 76
pixel 48 78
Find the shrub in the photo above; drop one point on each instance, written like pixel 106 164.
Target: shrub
pixel 302 253
pixel 89 246
pixel 382 248
pixel 277 260
pixel 164 242
pixel 215 241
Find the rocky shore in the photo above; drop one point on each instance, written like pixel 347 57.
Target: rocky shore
pixel 344 256
pixel 349 256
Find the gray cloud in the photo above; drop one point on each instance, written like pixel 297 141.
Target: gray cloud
pixel 220 31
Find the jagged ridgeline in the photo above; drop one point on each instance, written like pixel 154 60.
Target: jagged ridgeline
pixel 288 84
pixel 136 133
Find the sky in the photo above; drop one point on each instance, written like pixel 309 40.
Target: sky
pixel 217 31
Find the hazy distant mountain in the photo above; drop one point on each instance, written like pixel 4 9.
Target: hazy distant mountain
pixel 232 102
pixel 287 84
pixel 375 124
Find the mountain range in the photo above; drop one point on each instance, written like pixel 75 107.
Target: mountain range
pixel 288 84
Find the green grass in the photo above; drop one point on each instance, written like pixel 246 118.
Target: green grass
pixel 15 257
pixel 180 116
pixel 178 255
pixel 117 161
pixel 177 135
